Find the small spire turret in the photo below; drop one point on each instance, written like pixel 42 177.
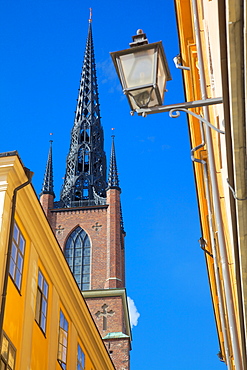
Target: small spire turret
pixel 113 180
pixel 47 187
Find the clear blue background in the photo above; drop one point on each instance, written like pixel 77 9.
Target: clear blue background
pixel 42 48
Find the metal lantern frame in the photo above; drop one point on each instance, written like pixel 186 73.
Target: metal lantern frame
pixel 154 88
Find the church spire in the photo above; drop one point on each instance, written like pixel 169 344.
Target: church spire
pixel 113 174
pixel 85 178
pixel 47 187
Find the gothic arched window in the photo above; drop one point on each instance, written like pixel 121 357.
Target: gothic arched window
pixel 77 253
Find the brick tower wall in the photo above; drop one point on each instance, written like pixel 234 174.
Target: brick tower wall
pixel 94 222
pixel 119 350
pixel 115 321
pixel 115 263
pixel 103 226
pixel 47 201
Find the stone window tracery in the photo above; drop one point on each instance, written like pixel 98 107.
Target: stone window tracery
pixel 78 253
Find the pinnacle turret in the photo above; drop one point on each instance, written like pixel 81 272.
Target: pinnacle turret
pixel 85 178
pixel 113 180
pixel 47 187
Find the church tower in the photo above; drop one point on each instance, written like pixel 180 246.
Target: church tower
pixel 87 220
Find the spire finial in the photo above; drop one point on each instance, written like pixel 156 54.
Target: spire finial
pixel 47 187
pixel 90 15
pixel 113 174
pixel 113 133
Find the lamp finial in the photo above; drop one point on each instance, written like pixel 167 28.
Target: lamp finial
pixel 139 39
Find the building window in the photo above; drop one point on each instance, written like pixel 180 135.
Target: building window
pixel 7 354
pixel 17 256
pixel 77 253
pixel 80 358
pixel 62 341
pixel 41 301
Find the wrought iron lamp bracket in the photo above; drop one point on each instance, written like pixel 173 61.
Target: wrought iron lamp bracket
pixel 175 109
pixel 174 113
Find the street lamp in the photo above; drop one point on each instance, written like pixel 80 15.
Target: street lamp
pixel 143 72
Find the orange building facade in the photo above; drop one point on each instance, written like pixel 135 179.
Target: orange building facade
pixel 212 41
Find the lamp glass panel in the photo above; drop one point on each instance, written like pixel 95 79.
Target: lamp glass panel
pixel 138 68
pixel 143 98
pixel 161 78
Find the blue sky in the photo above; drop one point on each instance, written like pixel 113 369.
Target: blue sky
pixel 42 48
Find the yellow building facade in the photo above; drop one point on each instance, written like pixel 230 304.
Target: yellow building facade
pixel 212 43
pixel 45 321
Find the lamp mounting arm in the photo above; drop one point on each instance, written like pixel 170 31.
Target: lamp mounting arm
pixel 187 105
pixel 175 109
pixel 174 113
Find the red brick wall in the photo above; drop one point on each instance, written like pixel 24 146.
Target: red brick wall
pixel 93 221
pixel 102 224
pixel 123 257
pixel 118 348
pixel 119 351
pixel 46 201
pixel 115 323
pixel 114 261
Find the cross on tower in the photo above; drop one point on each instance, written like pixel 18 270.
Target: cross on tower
pixel 59 230
pixel 96 227
pixel 105 314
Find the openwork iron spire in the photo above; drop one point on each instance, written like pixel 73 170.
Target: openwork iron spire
pixel 113 174
pixel 85 178
pixel 47 187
